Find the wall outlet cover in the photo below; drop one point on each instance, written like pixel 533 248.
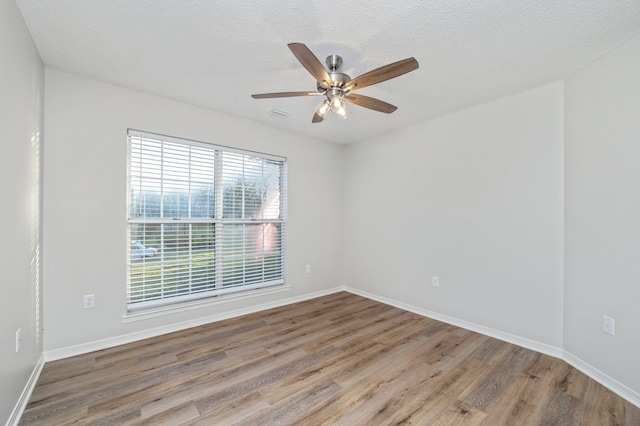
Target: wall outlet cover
pixel 18 339
pixel 609 325
pixel 89 301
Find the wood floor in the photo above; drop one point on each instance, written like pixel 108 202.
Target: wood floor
pixel 339 359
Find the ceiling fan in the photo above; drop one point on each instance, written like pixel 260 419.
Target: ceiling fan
pixel 336 87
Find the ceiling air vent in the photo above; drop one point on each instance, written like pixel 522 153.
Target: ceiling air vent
pixel 279 113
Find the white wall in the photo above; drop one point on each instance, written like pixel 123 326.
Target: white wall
pixel 603 214
pixel 474 198
pixel 21 114
pixel 85 198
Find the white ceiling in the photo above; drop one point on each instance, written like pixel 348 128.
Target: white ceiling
pixel 216 54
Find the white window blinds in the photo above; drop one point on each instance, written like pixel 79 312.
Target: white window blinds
pixel 203 220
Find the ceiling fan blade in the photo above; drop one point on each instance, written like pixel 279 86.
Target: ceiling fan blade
pixel 317 118
pixel 284 95
pixel 382 74
pixel 371 103
pixel 311 63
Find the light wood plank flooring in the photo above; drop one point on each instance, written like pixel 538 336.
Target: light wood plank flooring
pixel 339 359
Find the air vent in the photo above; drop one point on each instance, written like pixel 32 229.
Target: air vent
pixel 279 113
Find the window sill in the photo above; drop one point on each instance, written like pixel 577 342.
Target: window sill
pixel 199 304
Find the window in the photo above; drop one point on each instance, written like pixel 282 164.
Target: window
pixel 203 220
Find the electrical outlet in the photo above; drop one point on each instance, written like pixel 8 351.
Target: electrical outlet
pixel 89 301
pixel 609 325
pixel 435 281
pixel 307 269
pixel 18 339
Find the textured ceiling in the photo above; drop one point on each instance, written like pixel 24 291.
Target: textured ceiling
pixel 216 54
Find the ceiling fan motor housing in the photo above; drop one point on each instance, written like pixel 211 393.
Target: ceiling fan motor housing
pixel 339 79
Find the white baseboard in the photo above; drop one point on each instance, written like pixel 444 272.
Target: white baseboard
pixel 605 380
pixel 16 414
pixel 84 348
pixel 516 340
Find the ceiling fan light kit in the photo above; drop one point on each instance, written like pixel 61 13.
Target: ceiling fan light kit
pixel 336 87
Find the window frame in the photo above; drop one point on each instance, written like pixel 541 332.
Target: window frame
pixel 218 222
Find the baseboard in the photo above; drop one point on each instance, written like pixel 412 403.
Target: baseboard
pixel 16 414
pixel 605 380
pixel 510 338
pixel 84 348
